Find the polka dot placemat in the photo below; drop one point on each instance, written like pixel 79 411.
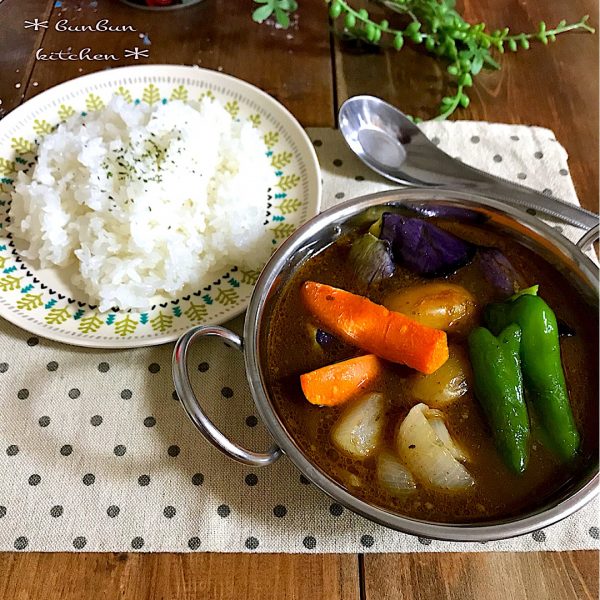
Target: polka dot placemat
pixel 97 455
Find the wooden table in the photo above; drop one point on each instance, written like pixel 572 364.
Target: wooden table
pixel 311 72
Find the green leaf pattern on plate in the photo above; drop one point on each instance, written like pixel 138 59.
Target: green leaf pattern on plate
pixel 151 94
pixel 9 283
pixel 288 182
pixel 93 102
pixel 57 316
pixel 233 108
pixel 281 160
pixel 64 112
pixel 270 139
pixel 90 324
pixel 161 322
pixel 207 94
pixel 125 326
pixel 289 206
pixel 227 297
pixel 7 167
pixel 283 230
pixel 22 146
pixel 125 94
pixel 196 312
pixel 32 299
pixel 42 127
pixel 179 93
pixel 249 276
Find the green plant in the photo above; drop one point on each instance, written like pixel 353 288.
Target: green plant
pixel 280 8
pixel 438 27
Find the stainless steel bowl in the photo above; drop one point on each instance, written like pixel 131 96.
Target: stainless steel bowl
pixel 320 231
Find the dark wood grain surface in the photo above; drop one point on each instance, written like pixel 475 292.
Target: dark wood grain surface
pixel 528 576
pixel 311 73
pixel 17 48
pixel 178 576
pixel 554 87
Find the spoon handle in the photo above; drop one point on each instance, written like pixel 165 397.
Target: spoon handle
pixel 473 179
pixel 519 195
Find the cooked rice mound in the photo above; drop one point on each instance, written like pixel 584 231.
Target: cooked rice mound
pixel 145 200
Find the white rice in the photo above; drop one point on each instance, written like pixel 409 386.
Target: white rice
pixel 145 200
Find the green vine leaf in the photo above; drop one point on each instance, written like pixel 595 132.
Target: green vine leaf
pixel 464 48
pixel 255 120
pixel 151 94
pixel 281 9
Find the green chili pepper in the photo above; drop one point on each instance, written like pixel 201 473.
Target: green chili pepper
pixel 542 369
pixel 499 389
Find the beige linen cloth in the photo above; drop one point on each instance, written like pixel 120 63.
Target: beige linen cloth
pixel 96 454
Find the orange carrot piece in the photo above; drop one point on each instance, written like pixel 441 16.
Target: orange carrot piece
pixel 374 328
pixel 338 383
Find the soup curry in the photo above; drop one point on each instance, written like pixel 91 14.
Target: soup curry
pixel 401 359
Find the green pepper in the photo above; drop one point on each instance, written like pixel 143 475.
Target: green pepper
pixel 499 389
pixel 543 374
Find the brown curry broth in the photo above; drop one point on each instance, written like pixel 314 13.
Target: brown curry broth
pixel 497 492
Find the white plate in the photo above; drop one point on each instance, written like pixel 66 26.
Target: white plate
pixel 43 302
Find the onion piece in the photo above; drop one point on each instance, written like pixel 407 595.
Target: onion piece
pixel 423 452
pixel 359 429
pixel 371 259
pixel 440 429
pixel 393 475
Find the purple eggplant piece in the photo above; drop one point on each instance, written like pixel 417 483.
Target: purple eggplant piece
pixel 499 272
pixel 324 339
pixel 424 247
pixel 455 213
pixel 371 259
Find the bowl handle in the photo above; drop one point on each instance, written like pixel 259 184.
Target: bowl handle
pixel 196 413
pixel 588 238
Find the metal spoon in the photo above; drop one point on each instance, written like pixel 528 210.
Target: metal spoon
pixel 393 146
